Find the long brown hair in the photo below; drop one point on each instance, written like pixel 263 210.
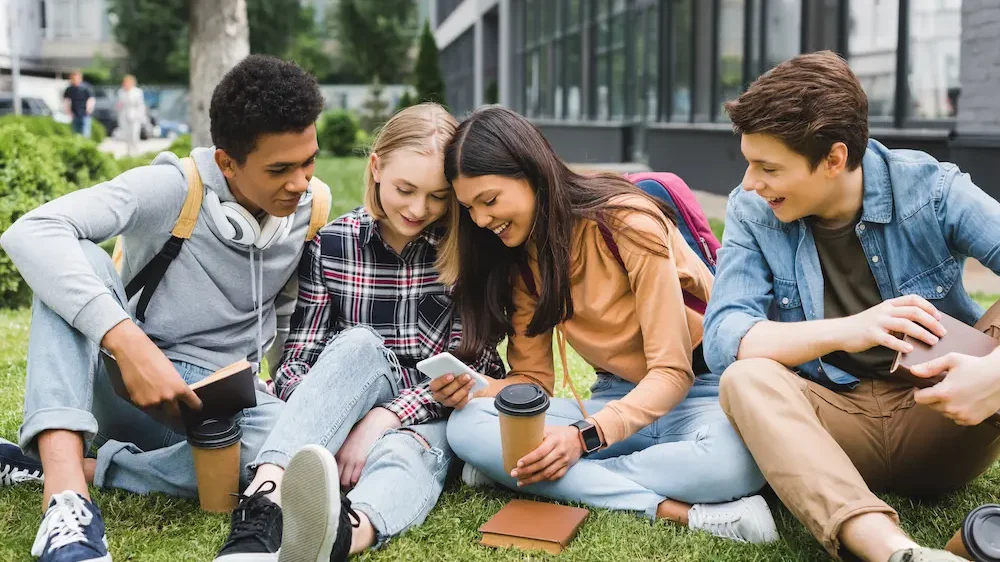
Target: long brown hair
pixel 496 141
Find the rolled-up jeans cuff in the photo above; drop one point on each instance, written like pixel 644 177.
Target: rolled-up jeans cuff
pixel 378 523
pixel 68 419
pixel 277 458
pixel 831 530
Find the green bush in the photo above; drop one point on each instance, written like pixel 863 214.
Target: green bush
pixel 31 173
pixel 97 131
pixel 37 125
pixel 85 164
pixel 337 132
pixel 181 146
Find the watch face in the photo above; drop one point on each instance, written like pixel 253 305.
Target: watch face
pixel 591 439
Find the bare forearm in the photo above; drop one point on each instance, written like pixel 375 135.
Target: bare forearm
pixel 791 343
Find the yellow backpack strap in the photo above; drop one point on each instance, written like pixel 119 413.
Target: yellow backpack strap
pixel 320 207
pixel 192 203
pixel 189 212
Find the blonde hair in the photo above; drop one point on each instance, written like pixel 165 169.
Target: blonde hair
pixel 425 128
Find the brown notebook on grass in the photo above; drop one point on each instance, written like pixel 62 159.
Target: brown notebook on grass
pixel 531 525
pixel 223 394
pixel 961 338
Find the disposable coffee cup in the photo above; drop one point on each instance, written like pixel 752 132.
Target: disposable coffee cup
pixel 522 421
pixel 979 537
pixel 215 445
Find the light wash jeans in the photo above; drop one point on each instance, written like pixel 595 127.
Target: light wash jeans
pixel 691 454
pixel 402 478
pixel 68 388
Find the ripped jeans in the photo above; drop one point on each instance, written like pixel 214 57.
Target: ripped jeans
pixel 402 478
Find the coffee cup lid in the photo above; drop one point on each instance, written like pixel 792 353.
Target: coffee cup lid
pixel 214 434
pixel 523 399
pixel 981 533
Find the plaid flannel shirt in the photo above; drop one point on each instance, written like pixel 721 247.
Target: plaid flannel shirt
pixel 349 276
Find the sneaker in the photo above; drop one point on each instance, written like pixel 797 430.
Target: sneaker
pixel 744 520
pixel 254 529
pixel 318 518
pixel 17 467
pixel 475 478
pixel 71 531
pixel 924 555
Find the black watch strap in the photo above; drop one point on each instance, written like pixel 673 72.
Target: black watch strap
pixel 591 437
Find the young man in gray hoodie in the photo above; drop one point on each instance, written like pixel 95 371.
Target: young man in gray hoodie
pixel 215 300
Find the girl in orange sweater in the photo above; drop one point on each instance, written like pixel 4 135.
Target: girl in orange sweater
pixel 531 259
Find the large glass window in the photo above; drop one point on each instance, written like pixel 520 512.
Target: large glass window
pixel 601 92
pixel 645 60
pixel 574 62
pixel 935 45
pixel 782 31
pixel 618 83
pixel 681 24
pixel 704 66
pixel 873 31
pixel 731 20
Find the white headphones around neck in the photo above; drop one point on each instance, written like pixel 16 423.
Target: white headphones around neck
pixel 237 224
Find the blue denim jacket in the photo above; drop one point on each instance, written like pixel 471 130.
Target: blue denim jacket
pixel 920 219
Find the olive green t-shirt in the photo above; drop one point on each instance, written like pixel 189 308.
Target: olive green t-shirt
pixel 849 288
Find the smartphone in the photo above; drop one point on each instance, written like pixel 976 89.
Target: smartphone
pixel 447 364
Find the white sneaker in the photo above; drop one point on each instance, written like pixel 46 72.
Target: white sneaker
pixel 744 520
pixel 475 478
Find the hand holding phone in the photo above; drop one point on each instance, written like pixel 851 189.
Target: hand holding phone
pixel 453 393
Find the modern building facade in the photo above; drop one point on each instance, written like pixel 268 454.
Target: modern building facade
pixel 645 80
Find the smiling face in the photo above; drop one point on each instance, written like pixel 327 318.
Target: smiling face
pixel 784 178
pixel 275 174
pixel 412 192
pixel 503 205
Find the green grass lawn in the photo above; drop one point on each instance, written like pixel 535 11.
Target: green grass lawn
pixel 157 528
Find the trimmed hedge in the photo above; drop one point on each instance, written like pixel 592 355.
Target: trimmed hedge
pixel 337 132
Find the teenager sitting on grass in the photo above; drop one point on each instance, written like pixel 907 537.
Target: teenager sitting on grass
pixel 833 244
pixel 202 316
pixel 359 415
pixel 664 442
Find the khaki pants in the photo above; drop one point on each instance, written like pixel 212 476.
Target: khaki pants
pixel 825 452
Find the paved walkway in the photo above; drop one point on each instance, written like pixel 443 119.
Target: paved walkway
pixel 977 278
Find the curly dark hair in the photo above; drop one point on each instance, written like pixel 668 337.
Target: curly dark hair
pixel 262 94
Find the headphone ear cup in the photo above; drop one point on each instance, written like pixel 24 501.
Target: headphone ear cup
pixel 273 231
pixel 246 227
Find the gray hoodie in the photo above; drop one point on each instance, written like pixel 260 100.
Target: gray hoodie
pixel 202 311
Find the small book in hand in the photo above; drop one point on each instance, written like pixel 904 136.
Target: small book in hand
pixel 531 525
pixel 223 394
pixel 961 338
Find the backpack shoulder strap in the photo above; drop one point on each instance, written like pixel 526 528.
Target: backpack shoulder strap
pixel 188 216
pixel 320 207
pixel 192 203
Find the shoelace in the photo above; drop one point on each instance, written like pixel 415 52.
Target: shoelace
pixel 63 522
pixel 342 543
pixel 256 526
pixel 719 523
pixel 346 505
pixel 10 475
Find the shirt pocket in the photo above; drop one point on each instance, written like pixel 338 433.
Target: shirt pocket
pixel 933 283
pixel 787 301
pixel 434 321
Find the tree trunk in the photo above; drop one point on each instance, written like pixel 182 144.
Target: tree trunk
pixel 220 38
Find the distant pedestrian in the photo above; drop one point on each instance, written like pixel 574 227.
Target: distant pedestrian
pixel 79 100
pixel 131 107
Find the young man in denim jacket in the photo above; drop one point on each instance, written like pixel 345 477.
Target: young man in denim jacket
pixel 834 243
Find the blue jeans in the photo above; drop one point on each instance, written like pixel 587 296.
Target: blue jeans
pixel 402 478
pixel 691 454
pixel 81 125
pixel 68 388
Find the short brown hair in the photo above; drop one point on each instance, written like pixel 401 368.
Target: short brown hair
pixel 809 102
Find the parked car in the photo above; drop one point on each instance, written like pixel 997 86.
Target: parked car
pixel 29 105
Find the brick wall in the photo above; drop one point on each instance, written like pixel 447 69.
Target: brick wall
pixel 979 104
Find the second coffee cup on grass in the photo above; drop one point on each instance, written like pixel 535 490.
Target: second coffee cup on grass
pixel 522 421
pixel 215 445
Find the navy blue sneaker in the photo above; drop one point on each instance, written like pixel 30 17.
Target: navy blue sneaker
pixel 17 467
pixel 71 531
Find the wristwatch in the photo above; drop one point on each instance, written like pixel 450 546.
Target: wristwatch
pixel 590 436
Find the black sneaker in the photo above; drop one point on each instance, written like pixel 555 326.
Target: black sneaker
pixel 255 529
pixel 318 519
pixel 17 467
